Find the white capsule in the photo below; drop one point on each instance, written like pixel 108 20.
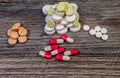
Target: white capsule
pixel 98 34
pixel 64 22
pixel 47 18
pixel 49 32
pixel 70 18
pixel 104 30
pixel 45 9
pixel 86 27
pixel 92 32
pixel 75 29
pixel 48 28
pixel 104 37
pixel 63 31
pixel 97 28
pixel 70 25
pixel 59 27
pixel 56 18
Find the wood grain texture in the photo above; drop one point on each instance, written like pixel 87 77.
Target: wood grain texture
pixel 97 59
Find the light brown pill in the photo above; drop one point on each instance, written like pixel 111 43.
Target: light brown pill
pixel 13 34
pixel 22 31
pixel 8 32
pixel 22 39
pixel 12 41
pixel 16 26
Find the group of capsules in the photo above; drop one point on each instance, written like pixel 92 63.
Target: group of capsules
pixel 59 52
pixel 61 17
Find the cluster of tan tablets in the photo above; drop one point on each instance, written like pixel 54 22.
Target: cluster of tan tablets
pixel 61 17
pixel 17 33
pixel 59 52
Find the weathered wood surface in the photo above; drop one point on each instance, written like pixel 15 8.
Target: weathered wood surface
pixel 98 59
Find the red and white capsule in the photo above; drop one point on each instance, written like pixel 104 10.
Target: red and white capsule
pixel 67 38
pixel 62 58
pixel 45 55
pixel 56 41
pixel 71 52
pixel 51 47
pixel 58 51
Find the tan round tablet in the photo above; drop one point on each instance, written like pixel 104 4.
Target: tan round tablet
pixel 16 26
pixel 8 32
pixel 22 39
pixel 12 41
pixel 13 34
pixel 22 31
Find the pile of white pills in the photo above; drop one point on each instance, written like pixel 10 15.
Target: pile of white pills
pixel 61 17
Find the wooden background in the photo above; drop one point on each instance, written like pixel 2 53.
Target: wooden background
pixel 97 59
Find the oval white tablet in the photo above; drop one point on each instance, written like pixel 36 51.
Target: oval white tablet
pixel 49 32
pixel 47 18
pixel 75 29
pixel 64 22
pixel 48 28
pixel 70 18
pixel 59 27
pixel 104 37
pixel 98 34
pixel 70 25
pixel 97 28
pixel 56 18
pixel 45 9
pixel 92 32
pixel 104 30
pixel 63 31
pixel 86 27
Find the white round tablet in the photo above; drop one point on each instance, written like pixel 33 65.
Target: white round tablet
pixel 47 18
pixel 98 34
pixel 70 25
pixel 75 6
pixel 49 32
pixel 92 32
pixel 59 27
pixel 104 30
pixel 70 18
pixel 45 9
pixel 56 18
pixel 97 28
pixel 86 27
pixel 61 14
pixel 75 29
pixel 104 37
pixel 63 31
pixel 48 28
pixel 64 22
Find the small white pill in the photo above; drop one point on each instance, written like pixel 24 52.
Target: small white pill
pixel 70 18
pixel 59 27
pixel 63 31
pixel 61 14
pixel 49 32
pixel 104 37
pixel 47 18
pixel 75 6
pixel 64 22
pixel 48 28
pixel 56 18
pixel 98 34
pixel 104 30
pixel 45 9
pixel 97 28
pixel 86 27
pixel 70 25
pixel 75 29
pixel 92 32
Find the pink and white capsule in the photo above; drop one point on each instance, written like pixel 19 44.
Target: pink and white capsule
pixel 56 41
pixel 67 38
pixel 45 54
pixel 58 51
pixel 51 47
pixel 71 52
pixel 62 58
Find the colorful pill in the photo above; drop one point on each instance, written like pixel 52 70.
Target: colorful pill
pixel 51 47
pixel 67 38
pixel 45 55
pixel 71 52
pixel 56 41
pixel 62 58
pixel 58 51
